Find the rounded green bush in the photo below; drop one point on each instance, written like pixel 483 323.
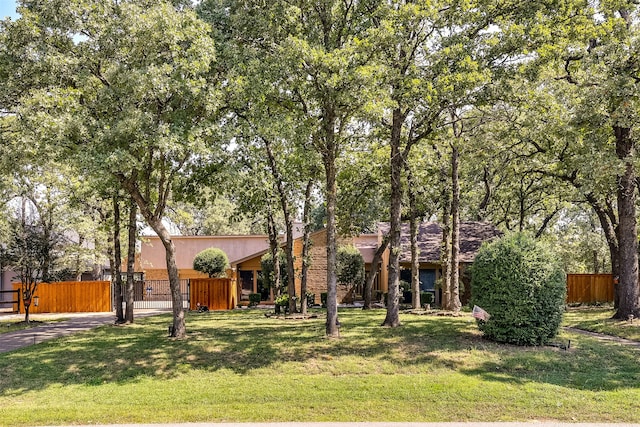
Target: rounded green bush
pixel 521 284
pixel 212 261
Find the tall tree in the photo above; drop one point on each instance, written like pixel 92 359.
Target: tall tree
pixel 137 105
pixel 321 71
pixel 590 65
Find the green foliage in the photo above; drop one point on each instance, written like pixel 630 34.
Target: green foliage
pixel 32 252
pixel 282 300
pixel 520 283
pixel 349 266
pixel 254 299
pixel 213 215
pixel 268 274
pixel 212 261
pixel 426 298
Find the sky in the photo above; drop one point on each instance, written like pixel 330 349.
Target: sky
pixel 8 8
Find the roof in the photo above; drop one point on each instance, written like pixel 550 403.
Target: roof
pixel 472 235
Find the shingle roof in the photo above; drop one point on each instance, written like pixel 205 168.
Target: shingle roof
pixel 472 235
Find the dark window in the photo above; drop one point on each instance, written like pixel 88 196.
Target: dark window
pixel 246 280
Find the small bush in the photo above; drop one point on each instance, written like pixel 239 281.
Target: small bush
pixel 212 261
pixel 254 299
pixel 282 303
pixel 521 285
pixel 282 300
pixel 426 298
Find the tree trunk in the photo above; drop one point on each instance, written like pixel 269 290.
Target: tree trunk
pixel 415 265
pixel 131 258
pixel 29 286
pixel 155 222
pixel 445 254
pixel 392 318
pixel 628 233
pixel 274 244
pixel 306 247
pixel 291 273
pixel 179 327
pixel 288 223
pixel 455 231
pixel 332 326
pixel 116 265
pixel 373 272
pixel 329 154
pixel 486 181
pixel 413 228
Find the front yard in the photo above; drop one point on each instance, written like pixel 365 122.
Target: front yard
pixel 598 319
pixel 241 366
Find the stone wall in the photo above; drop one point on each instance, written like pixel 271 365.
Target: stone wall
pixel 317 279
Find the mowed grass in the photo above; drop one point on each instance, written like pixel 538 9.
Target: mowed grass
pixel 598 319
pixel 17 325
pixel 241 366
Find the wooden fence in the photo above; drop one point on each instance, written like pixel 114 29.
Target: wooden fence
pixel 71 297
pixel 216 294
pixel 589 288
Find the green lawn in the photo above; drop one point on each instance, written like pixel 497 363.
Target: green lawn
pixel 242 366
pixel 597 319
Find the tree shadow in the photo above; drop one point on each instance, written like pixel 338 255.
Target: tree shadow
pixel 242 342
pixel 588 365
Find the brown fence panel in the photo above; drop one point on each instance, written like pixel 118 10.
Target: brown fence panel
pixel 216 294
pixel 589 288
pixel 71 297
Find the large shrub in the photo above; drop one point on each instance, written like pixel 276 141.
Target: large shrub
pixel 349 266
pixel 212 261
pixel 520 283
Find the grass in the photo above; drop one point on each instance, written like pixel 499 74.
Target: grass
pixel 598 319
pixel 241 366
pixel 18 325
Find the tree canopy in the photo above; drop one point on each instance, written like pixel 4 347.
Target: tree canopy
pixel 522 114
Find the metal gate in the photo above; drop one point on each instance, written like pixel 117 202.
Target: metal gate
pixel 157 294
pixel 13 301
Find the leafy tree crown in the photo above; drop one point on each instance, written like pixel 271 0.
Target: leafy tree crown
pixel 212 261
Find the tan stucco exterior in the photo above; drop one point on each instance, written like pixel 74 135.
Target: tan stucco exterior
pixel 152 253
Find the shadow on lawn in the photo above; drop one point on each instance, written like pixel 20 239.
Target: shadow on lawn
pixel 245 341
pixel 589 365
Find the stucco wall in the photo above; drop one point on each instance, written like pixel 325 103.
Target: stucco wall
pixel 152 252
